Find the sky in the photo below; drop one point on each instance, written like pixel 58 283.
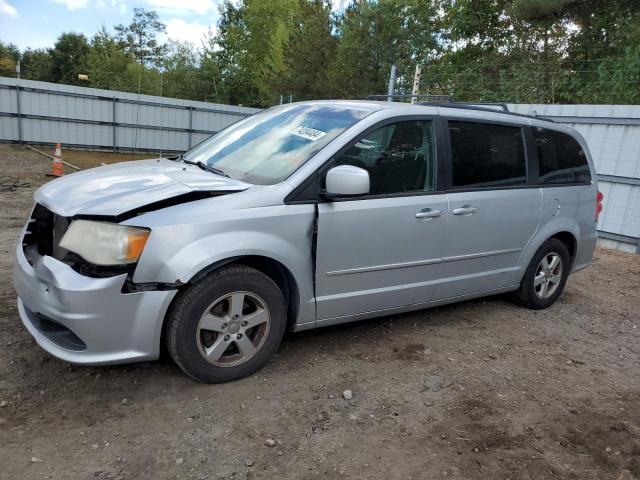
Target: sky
pixel 37 23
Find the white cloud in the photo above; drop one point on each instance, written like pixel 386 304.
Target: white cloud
pixel 199 6
pixel 7 9
pixel 73 4
pixel 178 29
pixel 118 5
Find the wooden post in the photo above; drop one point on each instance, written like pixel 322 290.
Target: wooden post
pixel 392 83
pixel 416 84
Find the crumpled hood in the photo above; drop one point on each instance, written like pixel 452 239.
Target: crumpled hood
pixel 115 189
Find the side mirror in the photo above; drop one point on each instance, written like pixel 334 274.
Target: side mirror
pixel 346 181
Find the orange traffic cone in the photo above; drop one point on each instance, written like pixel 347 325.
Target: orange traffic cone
pixel 56 166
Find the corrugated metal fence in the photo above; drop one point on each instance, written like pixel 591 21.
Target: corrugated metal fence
pixel 613 135
pixel 40 112
pixel 47 113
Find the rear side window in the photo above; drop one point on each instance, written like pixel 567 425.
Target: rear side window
pixel 486 155
pixel 560 157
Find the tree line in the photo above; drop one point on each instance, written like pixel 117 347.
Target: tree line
pixel 529 51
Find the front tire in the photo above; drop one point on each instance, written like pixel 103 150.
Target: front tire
pixel 545 276
pixel 226 326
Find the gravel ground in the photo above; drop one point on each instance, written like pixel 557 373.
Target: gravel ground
pixel 482 389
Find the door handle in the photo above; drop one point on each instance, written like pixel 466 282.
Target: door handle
pixel 428 213
pixel 465 210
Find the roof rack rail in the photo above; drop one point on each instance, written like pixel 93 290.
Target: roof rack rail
pixel 503 106
pixel 446 101
pixel 428 97
pixel 474 106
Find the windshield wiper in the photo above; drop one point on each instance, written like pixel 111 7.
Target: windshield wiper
pixel 204 166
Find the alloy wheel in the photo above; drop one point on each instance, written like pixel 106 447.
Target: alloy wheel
pixel 233 329
pixel 548 275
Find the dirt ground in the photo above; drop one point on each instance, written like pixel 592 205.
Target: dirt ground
pixel 478 390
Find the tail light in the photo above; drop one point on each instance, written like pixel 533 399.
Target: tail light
pixel 599 198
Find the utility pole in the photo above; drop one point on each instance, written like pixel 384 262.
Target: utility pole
pixel 392 83
pixel 416 84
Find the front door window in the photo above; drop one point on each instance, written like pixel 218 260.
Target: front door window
pixel 399 157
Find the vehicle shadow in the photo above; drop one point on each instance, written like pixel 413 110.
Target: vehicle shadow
pixel 297 350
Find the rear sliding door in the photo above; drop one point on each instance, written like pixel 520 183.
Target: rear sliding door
pixel 492 211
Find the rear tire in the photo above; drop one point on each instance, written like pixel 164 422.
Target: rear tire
pixel 545 276
pixel 226 326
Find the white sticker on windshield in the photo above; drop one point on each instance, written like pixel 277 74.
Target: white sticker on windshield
pixel 308 133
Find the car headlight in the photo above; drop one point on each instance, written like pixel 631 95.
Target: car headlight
pixel 103 243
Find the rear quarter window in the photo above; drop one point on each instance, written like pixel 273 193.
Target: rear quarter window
pixel 561 159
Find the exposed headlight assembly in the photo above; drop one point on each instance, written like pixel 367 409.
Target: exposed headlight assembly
pixel 103 243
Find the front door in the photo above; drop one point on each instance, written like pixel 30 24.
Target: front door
pixel 383 250
pixel 492 212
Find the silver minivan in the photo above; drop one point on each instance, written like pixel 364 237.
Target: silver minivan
pixel 303 215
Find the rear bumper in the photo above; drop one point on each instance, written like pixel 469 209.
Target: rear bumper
pixel 87 320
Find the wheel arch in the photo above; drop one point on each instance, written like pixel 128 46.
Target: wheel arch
pixel 570 241
pixel 272 268
pixel 566 232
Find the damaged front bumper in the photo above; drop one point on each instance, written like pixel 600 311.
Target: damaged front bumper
pixel 87 320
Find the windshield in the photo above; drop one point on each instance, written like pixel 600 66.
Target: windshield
pixel 267 147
